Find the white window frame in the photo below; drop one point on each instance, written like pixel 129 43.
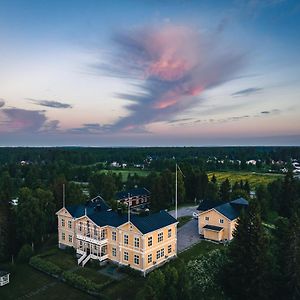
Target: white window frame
pixel 126 239
pixel 169 249
pixel 160 237
pixel 136 259
pixel 70 238
pixel 63 222
pixel 114 251
pixel 70 224
pixel 114 236
pixel 169 232
pixel 136 242
pixel 63 236
pixel 149 258
pixel 126 256
pixel 150 241
pixel 206 218
pixel 221 221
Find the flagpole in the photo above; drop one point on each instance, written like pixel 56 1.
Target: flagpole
pixel 176 193
pixel 64 196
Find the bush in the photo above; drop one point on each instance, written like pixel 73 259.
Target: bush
pixel 24 254
pixel 80 282
pixel 130 271
pixel 45 266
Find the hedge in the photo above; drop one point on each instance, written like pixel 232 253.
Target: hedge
pixel 80 282
pixel 45 266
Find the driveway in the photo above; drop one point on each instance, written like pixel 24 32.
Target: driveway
pixel 184 211
pixel 187 235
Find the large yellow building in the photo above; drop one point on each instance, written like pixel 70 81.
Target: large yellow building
pixel 97 232
pixel 217 223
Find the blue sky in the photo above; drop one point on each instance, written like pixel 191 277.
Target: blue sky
pixel 142 73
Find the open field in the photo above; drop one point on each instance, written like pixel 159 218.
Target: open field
pixel 28 283
pixel 253 178
pixel 125 173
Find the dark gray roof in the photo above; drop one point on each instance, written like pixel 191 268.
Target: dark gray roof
pixel 214 228
pixel 78 210
pixel 3 273
pixel 103 216
pixel 232 209
pixel 207 204
pixel 132 192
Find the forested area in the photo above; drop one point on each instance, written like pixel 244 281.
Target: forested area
pixel 261 261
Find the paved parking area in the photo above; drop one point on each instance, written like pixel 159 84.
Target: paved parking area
pixel 187 235
pixel 184 211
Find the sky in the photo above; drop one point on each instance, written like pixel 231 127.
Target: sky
pixel 149 73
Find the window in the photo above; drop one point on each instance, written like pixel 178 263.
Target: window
pixel 103 234
pixel 80 243
pixel 114 252
pixel 126 256
pixel 70 224
pixel 136 259
pixel 169 233
pixel 63 236
pixel 70 239
pixel 95 230
pixel 125 239
pixel 169 248
pixel 160 237
pixel 63 222
pixel 158 254
pixel 136 242
pixel 221 221
pixel 114 236
pixel 206 218
pixel 149 258
pixel 80 226
pixel 150 241
pixel 162 252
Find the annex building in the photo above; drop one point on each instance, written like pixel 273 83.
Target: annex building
pixel 97 232
pixel 217 222
pixel 133 197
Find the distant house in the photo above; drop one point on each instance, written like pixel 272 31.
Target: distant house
pixel 134 197
pixel 217 223
pixel 4 278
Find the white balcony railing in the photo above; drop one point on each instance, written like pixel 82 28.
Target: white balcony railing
pixel 91 239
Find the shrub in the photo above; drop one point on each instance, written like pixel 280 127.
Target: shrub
pixel 24 254
pixel 80 282
pixel 45 266
pixel 130 271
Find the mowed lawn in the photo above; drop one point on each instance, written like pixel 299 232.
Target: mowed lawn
pixel 28 283
pixel 253 178
pixel 125 173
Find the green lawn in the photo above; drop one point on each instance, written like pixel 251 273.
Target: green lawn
pixel 183 220
pixel 199 249
pixel 125 173
pixel 61 258
pixel 253 178
pixel 26 281
pixel 93 275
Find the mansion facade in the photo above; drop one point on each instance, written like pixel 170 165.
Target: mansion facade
pixel 97 232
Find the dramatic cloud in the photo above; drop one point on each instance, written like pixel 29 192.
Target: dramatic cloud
pixel 171 66
pixel 50 103
pixel 2 102
pixel 247 92
pixel 23 120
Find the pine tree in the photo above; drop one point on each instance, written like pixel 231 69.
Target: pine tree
pixel 246 274
pixel 225 190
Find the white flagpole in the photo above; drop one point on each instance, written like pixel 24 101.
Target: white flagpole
pixel 64 196
pixel 176 193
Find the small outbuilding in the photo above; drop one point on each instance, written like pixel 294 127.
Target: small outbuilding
pixel 4 278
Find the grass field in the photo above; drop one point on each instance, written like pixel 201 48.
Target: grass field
pixel 28 283
pixel 125 173
pixel 254 179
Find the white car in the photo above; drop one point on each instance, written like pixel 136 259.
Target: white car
pixel 195 215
